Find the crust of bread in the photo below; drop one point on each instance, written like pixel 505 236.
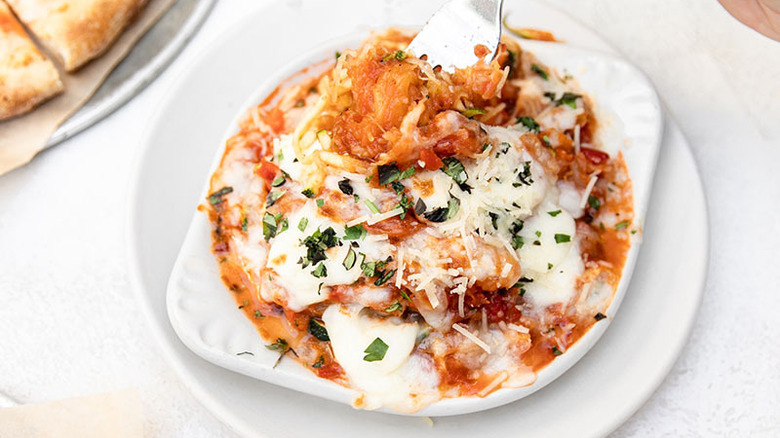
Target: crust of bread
pixel 76 31
pixel 27 78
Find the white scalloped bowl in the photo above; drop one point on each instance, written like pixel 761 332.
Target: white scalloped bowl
pixel 204 314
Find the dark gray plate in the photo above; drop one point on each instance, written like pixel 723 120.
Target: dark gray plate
pixel 153 52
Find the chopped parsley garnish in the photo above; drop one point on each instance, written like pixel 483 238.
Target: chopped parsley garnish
pixel 620 225
pixel 349 260
pixel 529 123
pixel 594 202
pixel 283 223
pixel 269 226
pixel 279 180
pixel 493 220
pixel 455 170
pixel 303 223
pixel 319 363
pixel 282 347
pixel 556 351
pixel 406 297
pixel 273 197
pixel 355 233
pixel 420 207
pixel 346 187
pixel 320 203
pixel 389 173
pixel 398 55
pixel 567 98
pixel 514 230
pixel 384 277
pixel 517 242
pixel 554 213
pixel 309 193
pixel 371 206
pixel 546 140
pixel 524 176
pixel 338 55
pixel 471 112
pixel 549 266
pixel 540 71
pixel 376 269
pixel 216 197
pixel 320 271
pixel 317 329
pixel 442 214
pixel 244 224
pixel 375 351
pixel 316 244
pixel 562 238
pixel 394 307
pixel 599 316
pixel 405 204
pixel 369 177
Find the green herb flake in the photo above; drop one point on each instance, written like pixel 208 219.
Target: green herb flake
pixel 406 296
pixel 394 307
pixel 320 362
pixel 369 178
pixel 529 123
pixel 279 345
pixel 621 225
pixel 356 232
pixel 278 181
pixel 269 226
pixel 454 169
pixel 320 203
pixel 346 187
pixel 599 316
pixel 273 197
pixel 338 55
pixel 317 329
pixel 556 351
pixel 540 71
pixel 517 242
pixel 554 213
pixel 216 197
pixel 320 271
pixel 594 202
pixel 375 351
pixel 471 112
pixel 303 223
pixel 398 55
pixel 549 266
pixel 309 193
pixel 349 260
pixel 244 224
pixel 384 277
pixel 562 238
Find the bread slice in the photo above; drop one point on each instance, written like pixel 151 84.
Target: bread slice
pixel 76 31
pixel 27 78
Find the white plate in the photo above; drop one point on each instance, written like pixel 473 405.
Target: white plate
pixel 596 395
pixel 205 316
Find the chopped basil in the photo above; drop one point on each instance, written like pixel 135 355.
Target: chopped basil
pixel 562 238
pixel 405 204
pixel 349 260
pixel 549 266
pixel 471 112
pixel 524 176
pixel 216 197
pixel 346 187
pixel 338 55
pixel 303 223
pixel 493 220
pixel 529 123
pixel 309 193
pixel 269 226
pixel 594 202
pixel 244 224
pixel 556 351
pixel 599 316
pixel 517 242
pixel 320 203
pixel 620 225
pixel 454 169
pixel 398 55
pixel 355 233
pixel 369 177
pixel 389 173
pixel 320 271
pixel 317 329
pixel 384 277
pixel 319 363
pixel 554 213
pixel 406 297
pixel 420 207
pixel 316 244
pixel 279 180
pixel 283 223
pixel 546 140
pixel 442 214
pixel 273 197
pixel 540 71
pixel 279 345
pixel 394 307
pixel 371 206
pixel 375 351
pixel 538 233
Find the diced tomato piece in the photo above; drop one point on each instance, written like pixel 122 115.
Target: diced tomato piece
pixel 594 156
pixel 431 160
pixel 267 170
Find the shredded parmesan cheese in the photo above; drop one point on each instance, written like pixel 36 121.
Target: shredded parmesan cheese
pixel 518 328
pixel 471 337
pixel 501 378
pixel 588 189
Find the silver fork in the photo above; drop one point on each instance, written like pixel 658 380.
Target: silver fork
pixel 454 30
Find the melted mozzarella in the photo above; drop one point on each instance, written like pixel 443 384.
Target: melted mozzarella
pixel 541 252
pixel 396 379
pixel 299 287
pixel 559 285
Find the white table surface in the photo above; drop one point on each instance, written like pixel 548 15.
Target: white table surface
pixel 69 325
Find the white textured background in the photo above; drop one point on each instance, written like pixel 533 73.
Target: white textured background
pixel 69 325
